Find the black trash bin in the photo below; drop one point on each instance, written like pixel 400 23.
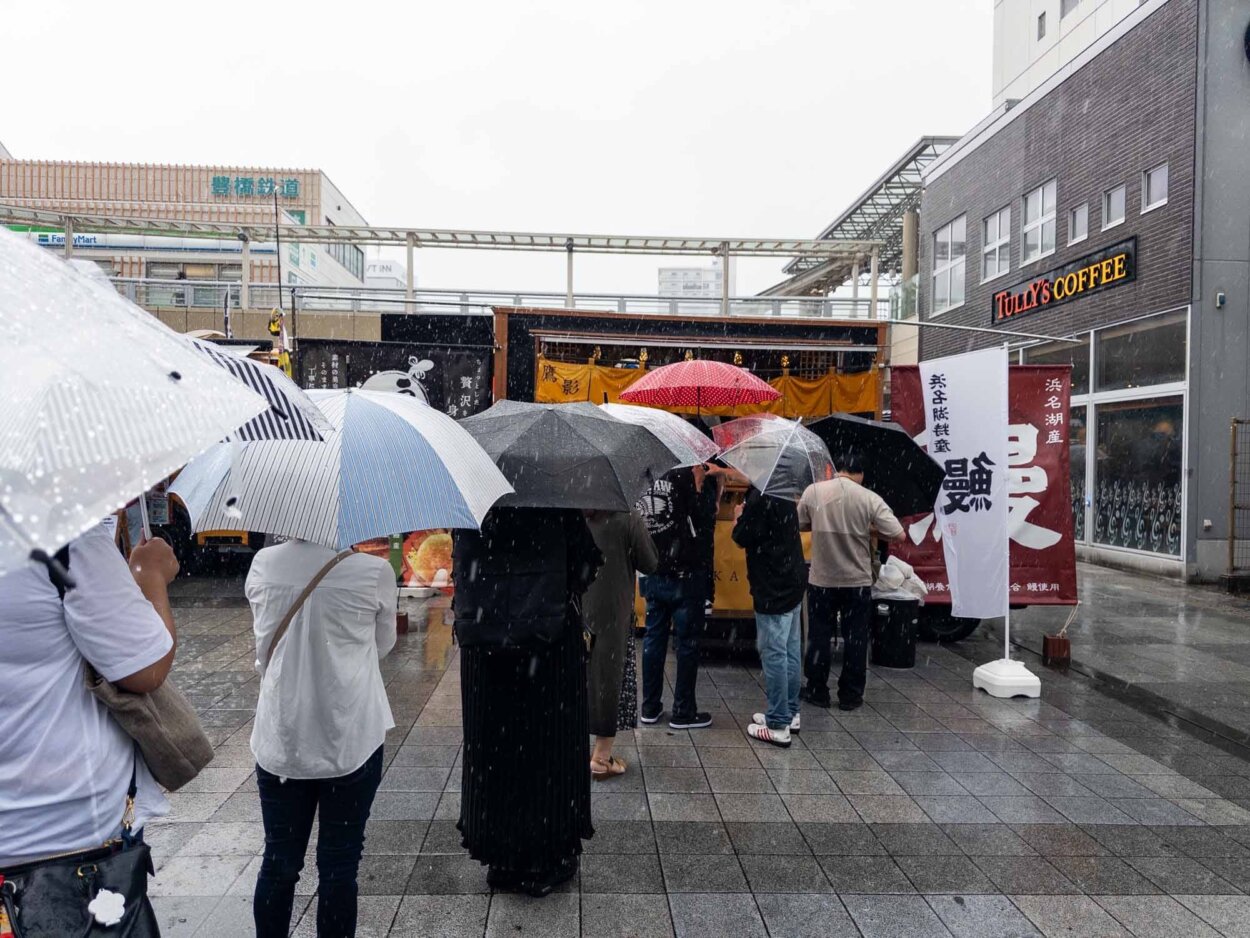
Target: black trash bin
pixel 894 626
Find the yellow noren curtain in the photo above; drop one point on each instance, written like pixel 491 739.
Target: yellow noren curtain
pixel 559 382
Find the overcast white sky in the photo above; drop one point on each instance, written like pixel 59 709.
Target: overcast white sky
pixel 673 117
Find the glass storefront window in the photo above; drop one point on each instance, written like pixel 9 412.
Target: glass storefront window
pixel 1076 471
pixel 1064 353
pixel 1137 475
pixel 1150 351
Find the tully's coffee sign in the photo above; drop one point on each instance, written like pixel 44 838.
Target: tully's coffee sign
pixel 1110 267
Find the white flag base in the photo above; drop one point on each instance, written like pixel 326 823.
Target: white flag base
pixel 1007 678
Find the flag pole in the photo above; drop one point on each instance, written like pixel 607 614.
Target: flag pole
pixel 1007 614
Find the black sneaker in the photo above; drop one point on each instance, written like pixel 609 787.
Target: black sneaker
pixel 692 721
pixel 816 699
pixel 651 716
pixel 848 705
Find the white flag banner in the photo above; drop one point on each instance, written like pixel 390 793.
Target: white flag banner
pixel 965 402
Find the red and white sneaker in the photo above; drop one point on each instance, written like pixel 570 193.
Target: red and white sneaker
pixel 795 724
pixel 764 734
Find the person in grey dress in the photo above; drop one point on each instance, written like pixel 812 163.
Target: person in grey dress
pixel 608 608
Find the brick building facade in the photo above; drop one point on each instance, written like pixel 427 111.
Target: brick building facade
pixel 1134 149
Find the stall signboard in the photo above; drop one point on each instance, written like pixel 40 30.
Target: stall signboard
pixel 454 380
pixel 1039 507
pixel 1113 266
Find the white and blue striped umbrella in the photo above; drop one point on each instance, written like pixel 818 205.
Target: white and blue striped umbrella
pixel 390 464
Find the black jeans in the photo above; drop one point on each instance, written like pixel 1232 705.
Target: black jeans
pixel 826 606
pixel 288 808
pixel 676 604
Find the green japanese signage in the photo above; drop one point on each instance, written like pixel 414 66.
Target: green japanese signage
pixel 250 187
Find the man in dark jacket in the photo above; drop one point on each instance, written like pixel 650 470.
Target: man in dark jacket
pixel 768 530
pixel 680 511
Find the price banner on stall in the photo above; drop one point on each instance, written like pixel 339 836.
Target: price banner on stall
pixel 1039 506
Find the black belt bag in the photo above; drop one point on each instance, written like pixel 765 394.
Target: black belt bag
pixel 98 892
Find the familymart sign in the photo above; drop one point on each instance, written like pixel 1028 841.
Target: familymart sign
pixel 1102 270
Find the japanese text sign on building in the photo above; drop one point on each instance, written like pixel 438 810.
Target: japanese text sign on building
pixel 1039 507
pixel 965 405
pixel 249 187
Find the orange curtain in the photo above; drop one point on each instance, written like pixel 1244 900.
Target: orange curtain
pixel 611 382
pixel 559 382
pixel 856 393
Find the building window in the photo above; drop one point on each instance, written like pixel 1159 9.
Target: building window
pixel 1067 6
pixel 949 248
pixel 1154 188
pixel 1064 353
pixel 1138 354
pixel 1113 207
pixel 1078 223
pixel 995 244
pixel 1041 27
pixel 1077 434
pixel 1137 475
pixel 1039 222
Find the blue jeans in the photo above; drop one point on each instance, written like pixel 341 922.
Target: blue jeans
pixel 675 603
pixel 778 636
pixel 287 808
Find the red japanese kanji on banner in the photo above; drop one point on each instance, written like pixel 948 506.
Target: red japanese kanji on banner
pixel 1043 555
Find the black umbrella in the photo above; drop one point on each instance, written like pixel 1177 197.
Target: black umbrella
pixel 895 467
pixel 569 455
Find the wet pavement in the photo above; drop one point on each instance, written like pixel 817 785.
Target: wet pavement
pixel 1181 650
pixel 934 810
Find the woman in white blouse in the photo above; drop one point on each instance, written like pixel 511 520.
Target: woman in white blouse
pixel 320 723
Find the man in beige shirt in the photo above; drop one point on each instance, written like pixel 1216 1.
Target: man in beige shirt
pixel 843 516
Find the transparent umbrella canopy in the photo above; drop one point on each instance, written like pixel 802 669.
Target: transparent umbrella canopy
pixel 780 457
pixel 687 442
pixel 100 402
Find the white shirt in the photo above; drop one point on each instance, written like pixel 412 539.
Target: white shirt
pixel 65 764
pixel 323 709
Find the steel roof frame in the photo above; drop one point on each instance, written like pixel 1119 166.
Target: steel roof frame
pixel 819 249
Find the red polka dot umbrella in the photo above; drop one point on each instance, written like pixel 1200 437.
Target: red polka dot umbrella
pixel 699 383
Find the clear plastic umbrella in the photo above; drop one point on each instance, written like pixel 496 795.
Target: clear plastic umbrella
pixel 100 402
pixel 688 443
pixel 780 457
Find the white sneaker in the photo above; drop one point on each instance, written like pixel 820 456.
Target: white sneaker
pixel 763 733
pixel 795 725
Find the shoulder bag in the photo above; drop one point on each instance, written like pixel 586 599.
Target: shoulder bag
pixel 299 603
pixel 163 723
pixel 98 892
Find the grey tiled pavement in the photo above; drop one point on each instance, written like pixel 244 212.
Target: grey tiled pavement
pixel 934 810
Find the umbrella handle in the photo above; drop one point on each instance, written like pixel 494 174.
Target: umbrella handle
pixel 143 517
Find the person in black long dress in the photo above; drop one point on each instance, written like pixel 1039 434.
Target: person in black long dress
pixel 525 802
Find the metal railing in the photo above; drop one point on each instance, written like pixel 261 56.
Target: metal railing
pixel 211 294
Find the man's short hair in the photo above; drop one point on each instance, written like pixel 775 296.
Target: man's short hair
pixel 851 462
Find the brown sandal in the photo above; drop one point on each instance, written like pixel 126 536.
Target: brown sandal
pixel 614 768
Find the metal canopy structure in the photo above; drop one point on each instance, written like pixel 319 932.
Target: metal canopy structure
pixel 877 215
pixel 816 249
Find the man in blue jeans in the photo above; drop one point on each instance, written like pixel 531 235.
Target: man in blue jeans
pixel 768 530
pixel 680 511
pixel 843 516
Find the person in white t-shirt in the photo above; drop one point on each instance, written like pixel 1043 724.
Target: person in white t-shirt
pixel 65 763
pixel 321 720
